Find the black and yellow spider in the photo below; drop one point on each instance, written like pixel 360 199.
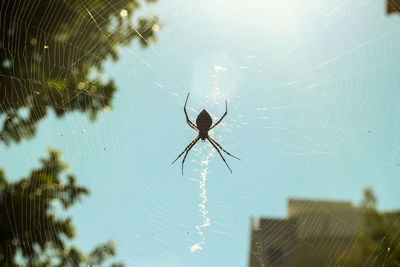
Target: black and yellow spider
pixel 204 122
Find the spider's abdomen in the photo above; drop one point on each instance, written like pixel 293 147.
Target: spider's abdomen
pixel 203 121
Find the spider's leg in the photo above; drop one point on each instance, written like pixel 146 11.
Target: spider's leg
pixel 220 154
pixel 215 142
pixel 191 124
pixel 191 145
pixel 188 147
pixel 226 112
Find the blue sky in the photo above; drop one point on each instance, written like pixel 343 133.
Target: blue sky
pixel 312 90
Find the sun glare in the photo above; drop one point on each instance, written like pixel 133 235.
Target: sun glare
pixel 275 15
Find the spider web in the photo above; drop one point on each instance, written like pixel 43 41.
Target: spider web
pixel 312 91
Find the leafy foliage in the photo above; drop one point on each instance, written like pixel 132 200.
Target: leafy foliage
pixel 30 231
pixel 378 242
pixel 50 52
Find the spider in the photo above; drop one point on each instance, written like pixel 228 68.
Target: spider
pixel 203 125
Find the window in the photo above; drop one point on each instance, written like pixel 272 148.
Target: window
pixel 274 254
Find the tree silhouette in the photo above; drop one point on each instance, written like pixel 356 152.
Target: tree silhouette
pixel 31 233
pixel 378 241
pixel 51 55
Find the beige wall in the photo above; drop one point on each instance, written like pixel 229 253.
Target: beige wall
pixel 316 233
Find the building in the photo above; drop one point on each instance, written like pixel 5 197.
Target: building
pixel 392 6
pixel 315 233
